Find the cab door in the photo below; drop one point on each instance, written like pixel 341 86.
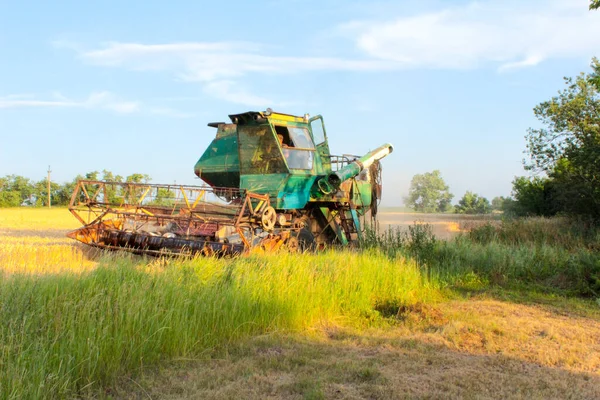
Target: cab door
pixel 317 127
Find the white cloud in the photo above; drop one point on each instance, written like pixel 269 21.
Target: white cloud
pixel 218 66
pixel 96 100
pixel 211 61
pixel 502 34
pixel 506 33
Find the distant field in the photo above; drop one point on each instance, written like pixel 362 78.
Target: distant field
pixel 445 226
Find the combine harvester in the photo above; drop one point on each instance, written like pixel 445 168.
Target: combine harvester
pixel 272 183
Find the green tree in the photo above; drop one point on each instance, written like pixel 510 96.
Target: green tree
pixel 113 192
pixel 429 193
pixel 472 203
pixel 92 176
pixel 56 195
pixel 567 148
pixel 594 4
pixel 164 197
pixel 110 177
pixel 532 196
pixel 138 178
pixel 21 185
pixel 498 203
pixel 9 198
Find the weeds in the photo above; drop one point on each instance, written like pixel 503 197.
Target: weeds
pixel 556 254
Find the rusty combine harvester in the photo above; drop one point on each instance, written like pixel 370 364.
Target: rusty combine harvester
pixel 271 182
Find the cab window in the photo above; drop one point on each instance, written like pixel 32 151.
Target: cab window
pixel 297 146
pixel 259 151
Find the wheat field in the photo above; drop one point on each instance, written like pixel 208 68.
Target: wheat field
pixel 33 241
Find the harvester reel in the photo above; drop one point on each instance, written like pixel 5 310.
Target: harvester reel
pixel 268 218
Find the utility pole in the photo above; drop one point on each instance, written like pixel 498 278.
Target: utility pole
pixel 49 186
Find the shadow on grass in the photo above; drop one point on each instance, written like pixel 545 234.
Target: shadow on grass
pixel 349 364
pixel 556 301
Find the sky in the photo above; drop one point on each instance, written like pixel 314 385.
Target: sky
pixel 130 86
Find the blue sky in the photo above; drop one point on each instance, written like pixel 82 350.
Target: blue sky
pixel 130 86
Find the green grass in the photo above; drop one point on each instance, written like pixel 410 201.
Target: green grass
pixel 63 335
pixel 553 255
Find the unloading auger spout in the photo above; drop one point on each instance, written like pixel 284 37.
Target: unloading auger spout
pixel 333 181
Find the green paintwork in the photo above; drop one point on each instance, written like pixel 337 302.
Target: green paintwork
pixel 219 166
pixel 330 217
pixel 247 154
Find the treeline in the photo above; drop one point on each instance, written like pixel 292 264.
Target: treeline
pixel 563 156
pixel 16 190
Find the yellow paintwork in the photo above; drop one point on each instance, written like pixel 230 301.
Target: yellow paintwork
pixel 276 117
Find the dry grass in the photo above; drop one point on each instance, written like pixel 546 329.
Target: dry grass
pixel 477 349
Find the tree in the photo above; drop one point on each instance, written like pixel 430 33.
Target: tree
pixel 56 195
pixel 138 178
pixel 9 198
pixel 567 149
pixel 24 187
pixel 110 177
pixel 594 4
pixel 429 193
pixel 472 203
pixel 532 196
pixel 498 203
pixel 92 176
pixel 164 197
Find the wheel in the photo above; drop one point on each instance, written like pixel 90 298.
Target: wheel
pixel 306 239
pixel 300 241
pixel 293 244
pixel 268 218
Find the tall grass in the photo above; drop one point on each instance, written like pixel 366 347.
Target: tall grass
pixel 62 335
pixel 568 233
pixel 554 254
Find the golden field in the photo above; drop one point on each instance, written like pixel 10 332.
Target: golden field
pixel 33 241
